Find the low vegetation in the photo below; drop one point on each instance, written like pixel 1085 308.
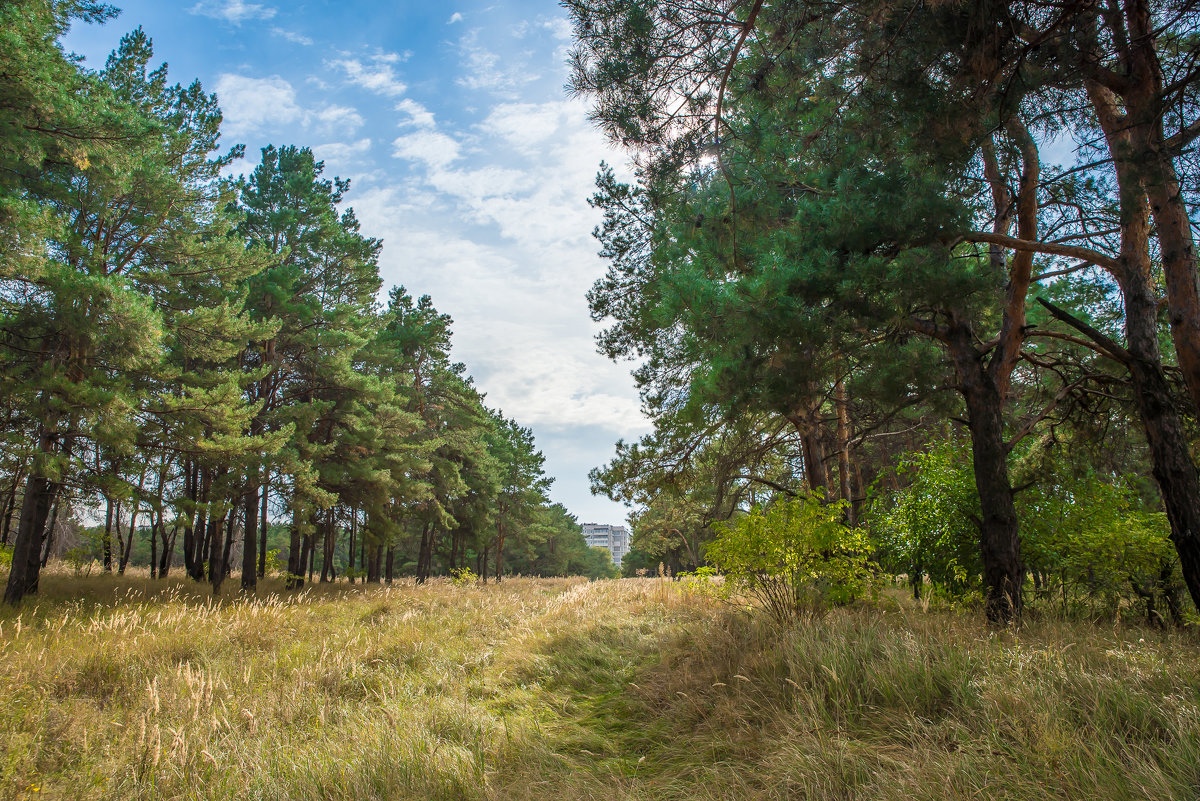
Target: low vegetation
pixel 118 687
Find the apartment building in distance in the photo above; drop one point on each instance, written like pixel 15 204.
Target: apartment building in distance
pixel 614 538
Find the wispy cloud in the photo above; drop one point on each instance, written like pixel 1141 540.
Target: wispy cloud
pixel 292 36
pixel 484 69
pixel 234 11
pixel 374 73
pixel 455 17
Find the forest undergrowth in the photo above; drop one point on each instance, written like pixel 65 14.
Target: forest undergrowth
pixel 123 688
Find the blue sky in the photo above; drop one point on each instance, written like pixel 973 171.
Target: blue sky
pixel 466 158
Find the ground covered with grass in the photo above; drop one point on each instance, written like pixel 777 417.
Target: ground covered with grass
pixel 564 689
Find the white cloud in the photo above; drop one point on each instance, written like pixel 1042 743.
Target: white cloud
pixel 252 104
pixel 292 36
pixel 418 115
pixel 234 11
pixel 525 125
pixel 557 27
pixel 341 157
pixel 455 17
pixel 255 105
pixel 342 118
pixel 435 150
pixel 375 74
pixel 486 70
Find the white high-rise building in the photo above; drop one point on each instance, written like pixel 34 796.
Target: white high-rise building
pixel 614 538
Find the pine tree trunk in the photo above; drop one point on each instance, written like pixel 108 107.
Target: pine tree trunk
pixel 843 446
pixel 999 539
pixel 27 548
pixel 327 572
pixel 127 550
pixel 1133 130
pixel 350 551
pixel 262 526
pixel 425 555
pixel 216 550
pixel 168 550
pixel 230 541
pixel 49 545
pixel 10 506
pixel 295 568
pixel 1171 463
pixel 391 557
pixel 500 536
pixel 309 557
pixel 108 526
pixel 250 538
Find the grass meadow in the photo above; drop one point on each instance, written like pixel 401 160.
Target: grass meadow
pixel 123 688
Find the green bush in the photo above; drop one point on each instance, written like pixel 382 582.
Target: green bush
pixel 927 528
pixel 793 557
pixel 1090 539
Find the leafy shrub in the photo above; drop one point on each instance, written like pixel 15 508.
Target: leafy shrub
pixel 928 527
pixel 793 558
pixel 463 577
pixel 1091 539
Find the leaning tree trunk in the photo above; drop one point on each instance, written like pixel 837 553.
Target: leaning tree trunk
pixel 1171 463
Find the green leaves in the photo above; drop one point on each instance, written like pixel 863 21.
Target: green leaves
pixel 794 557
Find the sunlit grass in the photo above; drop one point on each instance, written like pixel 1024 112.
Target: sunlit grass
pixel 563 689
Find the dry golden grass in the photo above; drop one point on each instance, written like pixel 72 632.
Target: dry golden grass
pixel 564 689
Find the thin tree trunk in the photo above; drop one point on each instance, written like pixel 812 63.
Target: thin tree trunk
pixel 216 550
pixel 295 568
pixel 309 556
pixel 391 556
pixel 262 526
pixel 230 539
pixel 10 507
pixel 327 573
pixel 350 551
pixel 250 538
pixel 501 535
pixel 425 556
pixel 108 526
pixel 49 546
pixel 127 550
pixel 843 446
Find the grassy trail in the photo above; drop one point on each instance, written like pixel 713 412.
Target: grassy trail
pixel 561 689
